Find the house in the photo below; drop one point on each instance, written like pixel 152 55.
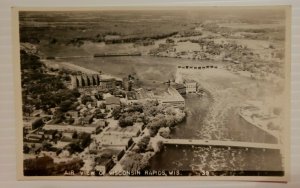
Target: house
pixel 73 113
pixel 101 123
pixel 50 134
pixel 34 138
pixel 103 164
pixel 64 142
pixel 31 123
pixel 37 113
pixel 131 97
pixel 48 153
pixel 88 119
pixel 115 153
pixel 68 134
pixel 112 102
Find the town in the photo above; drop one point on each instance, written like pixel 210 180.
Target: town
pixel 108 124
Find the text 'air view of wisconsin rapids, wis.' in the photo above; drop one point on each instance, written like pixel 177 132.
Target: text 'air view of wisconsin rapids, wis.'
pixel 146 92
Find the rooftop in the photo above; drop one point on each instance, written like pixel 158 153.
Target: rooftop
pixel 142 93
pixel 102 160
pixel 171 95
pixel 113 140
pixel 178 86
pixel 190 81
pixel 129 129
pixel 131 95
pixel 112 100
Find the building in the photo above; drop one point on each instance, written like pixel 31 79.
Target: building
pixel 191 86
pixel 115 141
pixel 128 83
pixel 112 102
pixel 171 97
pixel 34 138
pixel 91 128
pixel 115 153
pixel 101 123
pixel 31 123
pixel 130 131
pixel 180 88
pixel 103 164
pixel 131 97
pixel 144 95
pixel 108 83
pixel 88 119
pixel 73 113
pixel 68 134
pixel 85 80
pixel 49 134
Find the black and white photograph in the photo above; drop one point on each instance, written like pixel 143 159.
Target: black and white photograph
pixel 153 92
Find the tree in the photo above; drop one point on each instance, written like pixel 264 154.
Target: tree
pixel 135 108
pixel 75 135
pixel 74 148
pixel 103 106
pixel 40 166
pixel 125 121
pixel 134 161
pixel 99 96
pixel 164 132
pixel 116 113
pixel 86 140
pixel 27 110
pixel 58 115
pixel 85 99
pixel 75 93
pixel 46 146
pixel 100 115
pixel 143 143
pixel 65 105
pixel 26 149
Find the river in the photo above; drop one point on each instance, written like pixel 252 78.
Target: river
pixel 156 70
pixel 218 161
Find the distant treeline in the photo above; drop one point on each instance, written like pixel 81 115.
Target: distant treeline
pixel 249 33
pixel 131 39
pixel 78 41
pixel 35 35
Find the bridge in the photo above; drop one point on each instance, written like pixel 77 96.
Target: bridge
pixel 219 143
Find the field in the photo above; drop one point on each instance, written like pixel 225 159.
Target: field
pixel 65 26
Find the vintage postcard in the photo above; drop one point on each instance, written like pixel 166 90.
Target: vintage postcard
pixel 132 93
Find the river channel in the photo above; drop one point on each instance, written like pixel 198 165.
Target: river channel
pixel 157 70
pixel 216 160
